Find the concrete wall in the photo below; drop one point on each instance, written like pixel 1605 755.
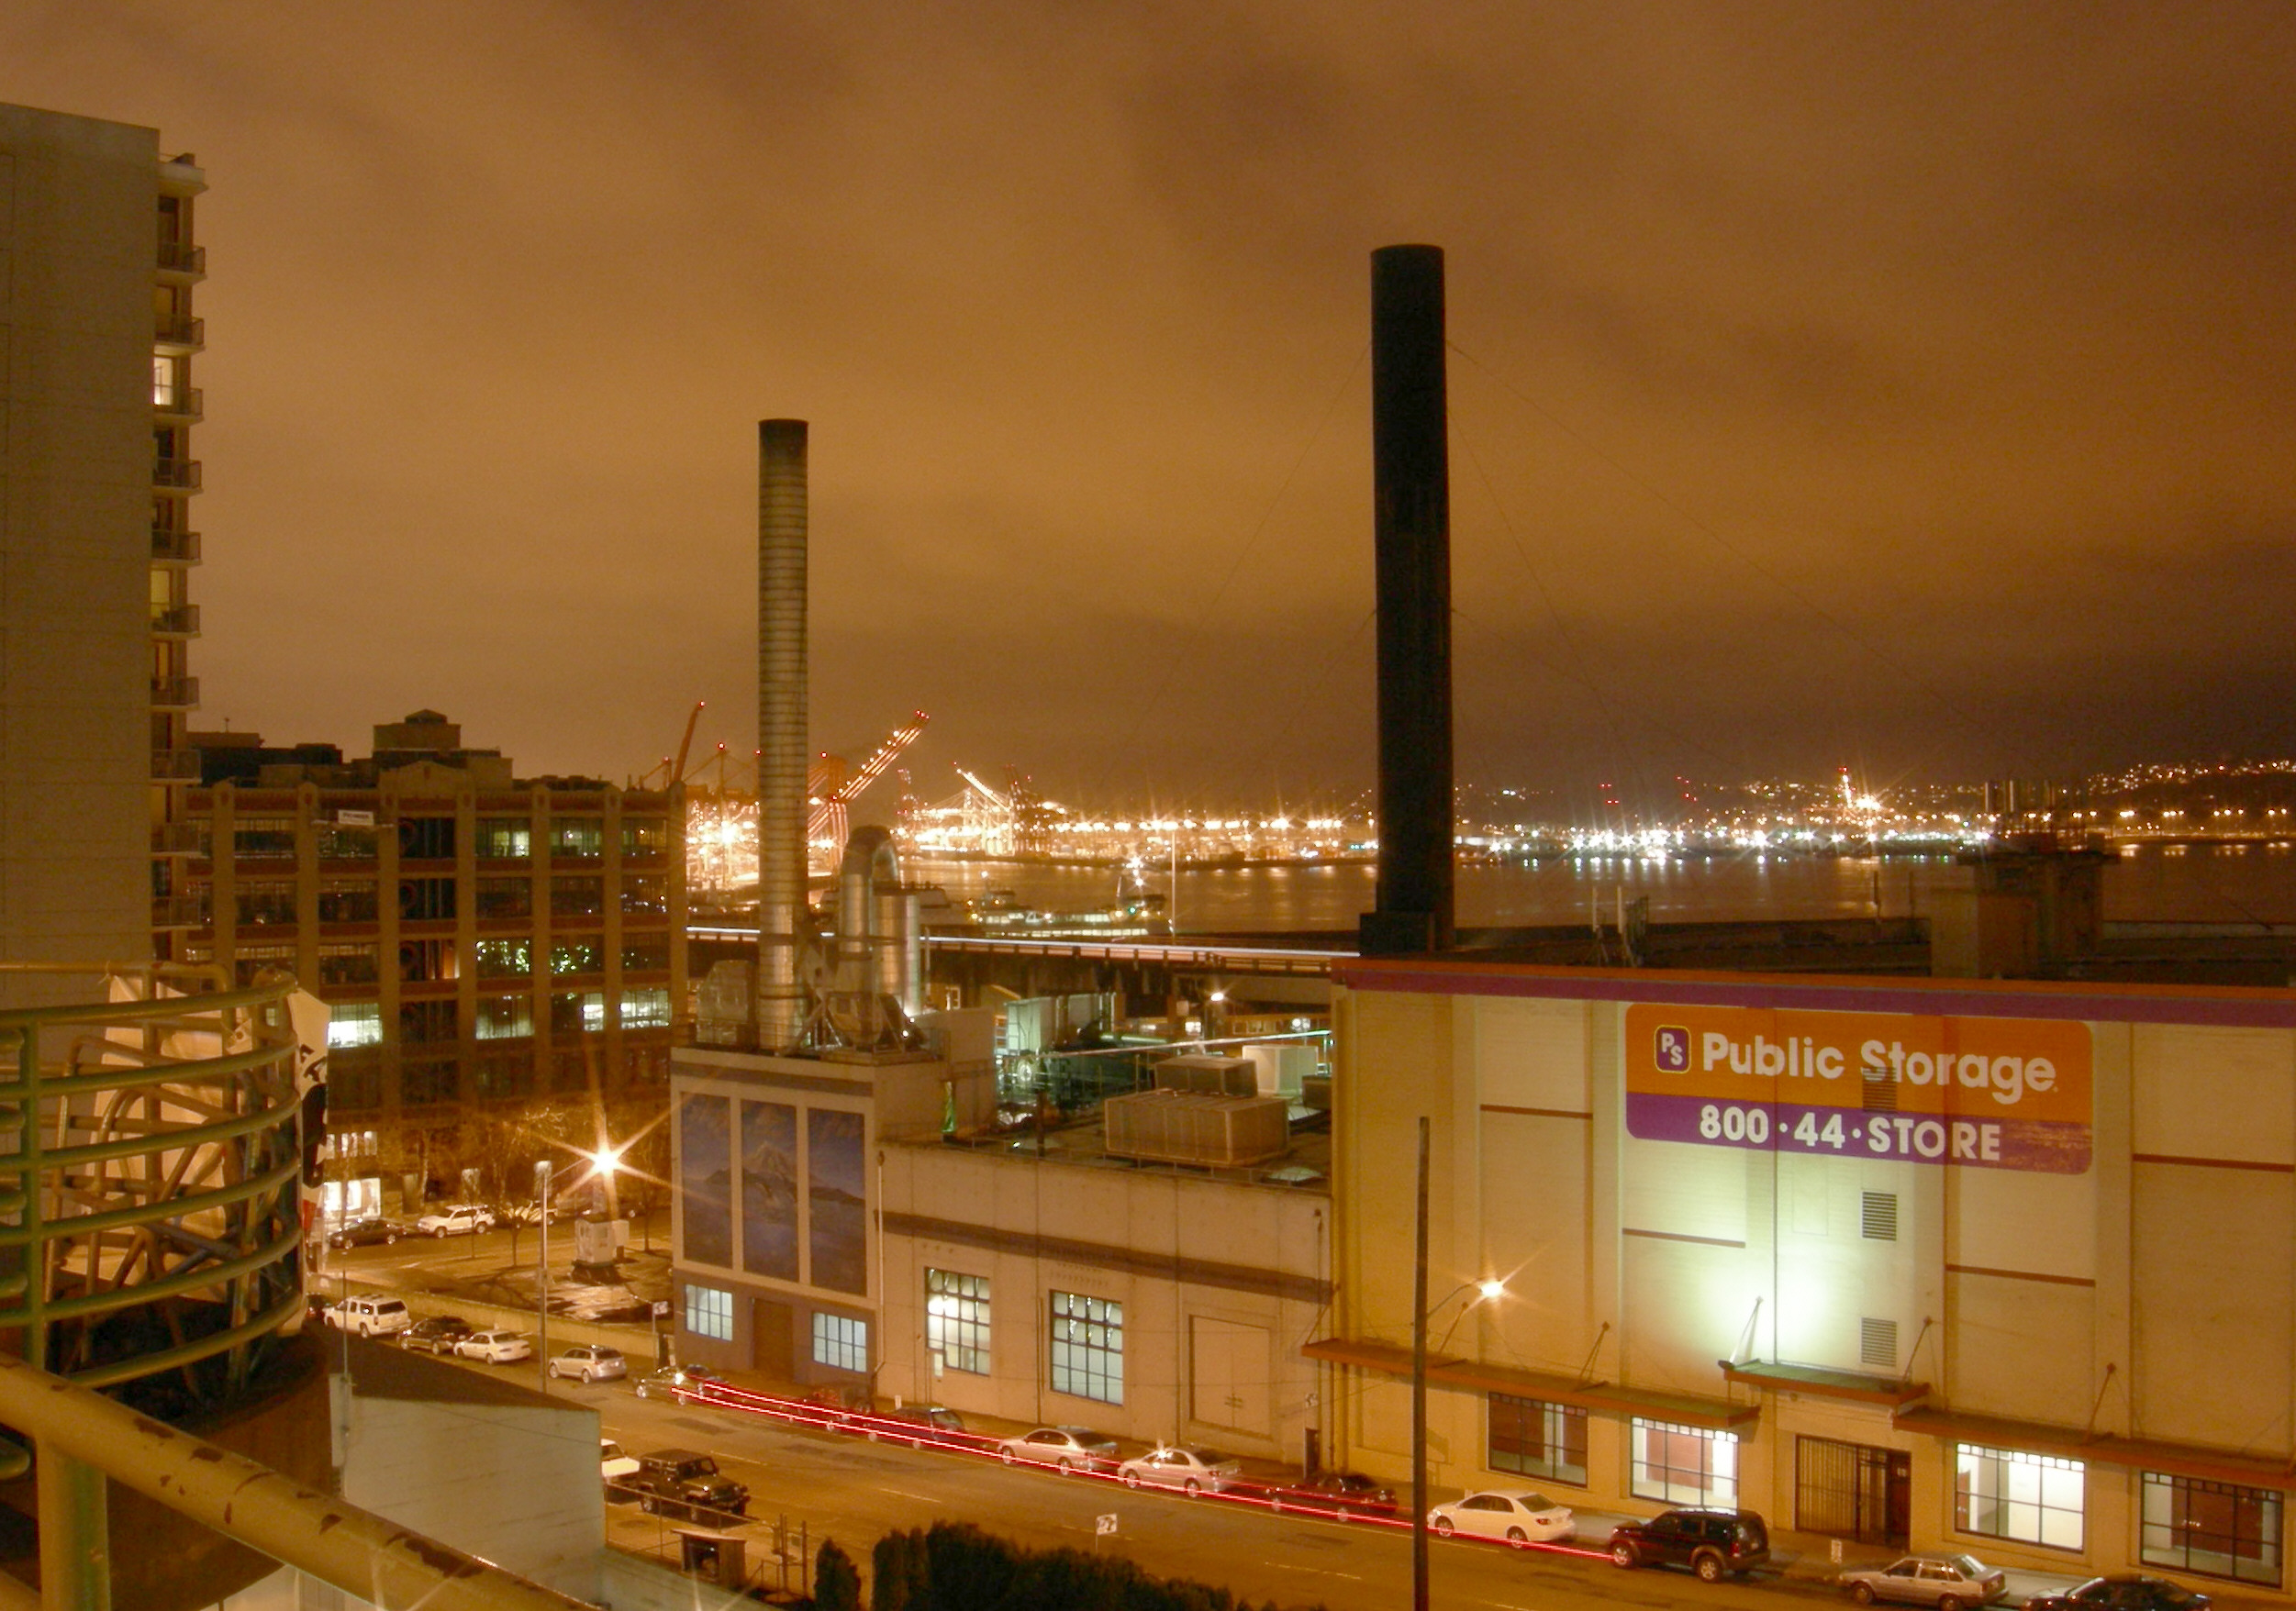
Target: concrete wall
pixel 77 243
pixel 1217 1279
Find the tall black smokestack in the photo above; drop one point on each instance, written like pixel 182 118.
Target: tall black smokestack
pixel 1411 490
pixel 781 737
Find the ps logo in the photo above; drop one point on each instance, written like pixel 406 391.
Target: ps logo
pixel 1672 1051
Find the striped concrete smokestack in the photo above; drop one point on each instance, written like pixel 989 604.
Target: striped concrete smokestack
pixel 1411 493
pixel 781 738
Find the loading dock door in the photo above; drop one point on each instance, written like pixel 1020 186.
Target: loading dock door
pixel 1853 1491
pixel 1229 1374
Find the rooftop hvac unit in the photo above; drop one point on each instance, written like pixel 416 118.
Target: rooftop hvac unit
pixel 1181 1127
pixel 1207 1075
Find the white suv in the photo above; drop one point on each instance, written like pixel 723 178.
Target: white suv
pixel 370 1316
pixel 462 1218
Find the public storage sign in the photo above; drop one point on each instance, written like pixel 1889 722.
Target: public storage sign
pixel 1976 1093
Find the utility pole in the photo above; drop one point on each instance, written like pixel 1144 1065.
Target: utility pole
pixel 1419 1388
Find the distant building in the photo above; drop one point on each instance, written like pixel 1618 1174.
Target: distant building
pixel 97 268
pixel 482 940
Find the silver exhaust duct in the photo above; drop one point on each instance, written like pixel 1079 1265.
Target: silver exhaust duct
pixel 782 926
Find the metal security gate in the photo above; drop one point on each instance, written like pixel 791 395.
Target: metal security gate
pixel 1853 1491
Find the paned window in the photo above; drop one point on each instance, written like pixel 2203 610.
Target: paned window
pixel 505 1018
pixel 426 839
pixel 581 837
pixel 709 1311
pixel 504 959
pixel 266 903
pixel 354 1023
pixel 956 1319
pixel 645 1010
pixel 1685 1465
pixel 2007 1494
pixel 345 841
pixel 504 897
pixel 646 953
pixel 347 900
pixel 841 1341
pixel 349 965
pixel 257 837
pixel 426 1022
pixel 2217 1530
pixel 646 892
pixel 429 1082
pixel 1089 1347
pixel 505 838
pixel 577 897
pixel 575 1012
pixel 577 955
pixel 645 836
pixel 1538 1439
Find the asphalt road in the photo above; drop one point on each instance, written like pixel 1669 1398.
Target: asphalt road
pixel 846 1488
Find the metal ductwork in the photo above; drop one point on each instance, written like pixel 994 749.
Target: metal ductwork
pixel 1411 483
pixel 782 919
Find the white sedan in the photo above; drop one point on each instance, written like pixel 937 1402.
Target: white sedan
pixel 590 1362
pixel 1520 1515
pixel 1192 1471
pixel 496 1348
pixel 1069 1448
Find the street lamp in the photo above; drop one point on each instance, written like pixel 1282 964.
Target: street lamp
pixel 1421 1312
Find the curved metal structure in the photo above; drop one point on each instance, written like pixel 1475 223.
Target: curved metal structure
pixel 150 1231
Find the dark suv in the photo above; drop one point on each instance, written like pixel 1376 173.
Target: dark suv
pixel 1710 1542
pixel 678 1482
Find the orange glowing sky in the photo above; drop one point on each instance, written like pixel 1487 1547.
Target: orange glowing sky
pixel 1908 386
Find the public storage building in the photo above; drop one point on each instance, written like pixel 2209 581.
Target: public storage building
pixel 2003 1267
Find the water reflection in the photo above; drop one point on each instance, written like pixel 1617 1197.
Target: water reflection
pixel 2199 883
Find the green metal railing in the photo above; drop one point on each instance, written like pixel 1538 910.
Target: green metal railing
pixel 149 1164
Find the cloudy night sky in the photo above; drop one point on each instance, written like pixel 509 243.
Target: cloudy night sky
pixel 1911 387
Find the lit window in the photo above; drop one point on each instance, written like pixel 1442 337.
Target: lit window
pixel 1538 1439
pixel 2213 1528
pixel 709 1311
pixel 505 1018
pixel 2006 1494
pixel 1685 1465
pixel 841 1341
pixel 505 838
pixel 505 959
pixel 579 836
pixel 354 1023
pixel 956 1319
pixel 645 1010
pixel 1089 1347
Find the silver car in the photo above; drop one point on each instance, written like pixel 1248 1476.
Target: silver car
pixel 590 1362
pixel 1192 1471
pixel 1950 1582
pixel 1067 1448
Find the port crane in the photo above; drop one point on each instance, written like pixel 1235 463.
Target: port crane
pixel 830 786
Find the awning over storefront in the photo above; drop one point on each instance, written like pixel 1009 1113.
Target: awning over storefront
pixel 1855 1385
pixel 1683 1409
pixel 2181 1460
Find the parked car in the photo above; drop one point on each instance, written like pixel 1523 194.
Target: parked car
pixel 454 1221
pixel 1334 1493
pixel 1520 1515
pixel 2123 1590
pixel 1711 1543
pixel 527 1213
pixel 918 1425
pixel 368 1315
pixel 678 1482
pixel 1950 1582
pixel 590 1362
pixel 1070 1448
pixel 436 1334
pixel 1190 1470
pixel 837 1404
pixel 361 1233
pixel 681 1384
pixel 495 1347
pixel 615 1470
